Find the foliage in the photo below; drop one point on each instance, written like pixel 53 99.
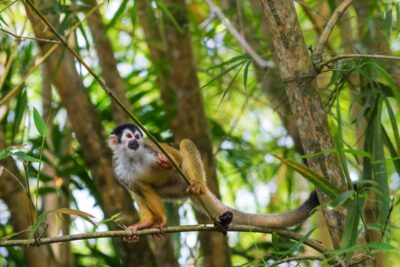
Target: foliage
pixel 361 99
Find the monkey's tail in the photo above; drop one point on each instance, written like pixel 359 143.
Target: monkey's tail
pixel 274 220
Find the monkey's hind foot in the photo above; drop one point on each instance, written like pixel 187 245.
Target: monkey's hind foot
pixel 134 236
pixel 160 235
pixel 196 187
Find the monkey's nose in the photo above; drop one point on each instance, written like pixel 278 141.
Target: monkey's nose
pixel 133 145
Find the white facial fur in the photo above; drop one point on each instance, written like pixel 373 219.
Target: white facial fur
pixel 130 164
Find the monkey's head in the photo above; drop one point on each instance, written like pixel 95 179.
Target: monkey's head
pixel 127 137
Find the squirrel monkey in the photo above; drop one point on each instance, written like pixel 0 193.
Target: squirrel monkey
pixel 142 168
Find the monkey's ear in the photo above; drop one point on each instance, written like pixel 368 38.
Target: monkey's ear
pixel 113 142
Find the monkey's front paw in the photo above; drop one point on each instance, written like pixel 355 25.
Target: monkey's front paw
pixel 134 236
pixel 196 187
pixel 163 161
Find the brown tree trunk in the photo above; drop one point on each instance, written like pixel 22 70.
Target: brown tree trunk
pixel 108 63
pixel 376 42
pixel 171 50
pixel 298 74
pixel 87 127
pixel 18 204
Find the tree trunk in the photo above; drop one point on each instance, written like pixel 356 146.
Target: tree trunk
pixel 18 204
pixel 171 50
pixel 87 127
pixel 108 63
pixel 298 74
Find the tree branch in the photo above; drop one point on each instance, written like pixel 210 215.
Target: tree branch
pixel 170 229
pixel 18 37
pixel 246 46
pixel 352 56
pixel 317 56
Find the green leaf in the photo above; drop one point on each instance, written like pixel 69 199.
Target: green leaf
pixel 380 246
pixel 25 157
pixel 351 225
pixel 393 153
pixel 117 14
pixel 393 122
pixel 22 102
pixel 163 7
pixel 5 153
pixel 39 123
pixel 320 182
pixel 397 7
pixel 378 163
pixel 343 198
pixel 340 145
pixel 245 73
pixel 222 74
pixel 41 220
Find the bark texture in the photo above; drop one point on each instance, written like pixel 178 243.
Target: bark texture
pixel 171 51
pixel 299 76
pixel 86 124
pixel 18 204
pixel 108 62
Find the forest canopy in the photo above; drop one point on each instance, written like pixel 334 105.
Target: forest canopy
pixel 280 97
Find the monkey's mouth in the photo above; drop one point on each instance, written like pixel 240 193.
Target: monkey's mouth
pixel 133 145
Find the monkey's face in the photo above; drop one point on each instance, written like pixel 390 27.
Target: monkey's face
pixel 126 137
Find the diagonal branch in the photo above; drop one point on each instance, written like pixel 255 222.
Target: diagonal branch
pixel 18 37
pixel 317 57
pixel 262 63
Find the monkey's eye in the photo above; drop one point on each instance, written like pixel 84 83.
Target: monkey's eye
pixel 129 135
pixel 137 136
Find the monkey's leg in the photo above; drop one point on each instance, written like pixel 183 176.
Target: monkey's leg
pixel 146 219
pixel 152 202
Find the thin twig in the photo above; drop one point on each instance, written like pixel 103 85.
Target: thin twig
pixel 353 56
pixel 18 37
pixel 170 229
pixel 109 91
pixel 317 57
pixel 246 46
pixel 300 258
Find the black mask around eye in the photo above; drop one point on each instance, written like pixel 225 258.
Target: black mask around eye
pixel 118 131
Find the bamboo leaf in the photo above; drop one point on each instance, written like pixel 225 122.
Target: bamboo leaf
pixel 320 182
pixel 246 73
pixel 222 74
pixel 79 213
pixel 380 246
pixel 25 157
pixel 351 225
pixel 393 122
pixel 22 102
pixel 39 123
pixel 117 15
pixel 340 145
